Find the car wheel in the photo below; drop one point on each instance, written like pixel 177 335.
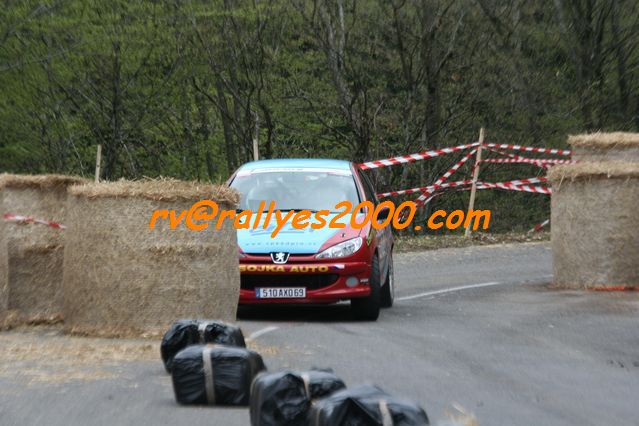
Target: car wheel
pixel 367 308
pixel 388 290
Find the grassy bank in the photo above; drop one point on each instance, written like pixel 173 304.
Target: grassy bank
pixel 434 242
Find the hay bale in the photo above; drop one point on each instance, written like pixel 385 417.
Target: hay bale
pixel 616 146
pixel 595 225
pixel 31 254
pixel 121 278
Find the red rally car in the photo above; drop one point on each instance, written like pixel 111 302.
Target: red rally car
pixel 313 264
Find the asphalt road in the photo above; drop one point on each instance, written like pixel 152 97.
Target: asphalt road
pixel 478 327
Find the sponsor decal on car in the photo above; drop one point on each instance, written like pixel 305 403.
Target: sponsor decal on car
pixel 281 268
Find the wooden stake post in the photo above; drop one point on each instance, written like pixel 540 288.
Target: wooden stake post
pixel 473 189
pixel 256 152
pixel 256 149
pixel 98 161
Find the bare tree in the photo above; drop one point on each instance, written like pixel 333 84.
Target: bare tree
pixel 583 24
pixel 355 101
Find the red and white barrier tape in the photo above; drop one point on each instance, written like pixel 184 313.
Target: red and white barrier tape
pixel 421 200
pixel 525 181
pixel 514 157
pixel 514 185
pixel 425 188
pixel 30 219
pixel 402 159
pixel 522 188
pixel 529 148
pixel 432 188
pixel 537 228
pixel 505 154
pixel 527 160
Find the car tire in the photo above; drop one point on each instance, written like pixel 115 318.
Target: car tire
pixel 388 290
pixel 367 308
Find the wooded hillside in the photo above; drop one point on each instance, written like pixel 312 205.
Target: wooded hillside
pixel 175 88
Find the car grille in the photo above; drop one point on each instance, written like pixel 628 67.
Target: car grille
pixel 310 281
pixel 291 256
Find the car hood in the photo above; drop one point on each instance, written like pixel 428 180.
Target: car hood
pixel 288 239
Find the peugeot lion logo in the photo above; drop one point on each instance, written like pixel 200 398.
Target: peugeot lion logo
pixel 279 257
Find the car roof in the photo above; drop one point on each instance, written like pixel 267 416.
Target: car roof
pixel 297 162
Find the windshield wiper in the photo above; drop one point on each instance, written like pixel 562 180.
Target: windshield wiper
pixel 297 210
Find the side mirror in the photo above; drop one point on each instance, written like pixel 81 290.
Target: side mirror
pixel 383 214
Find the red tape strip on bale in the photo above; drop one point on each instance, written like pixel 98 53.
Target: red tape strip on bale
pixel 616 288
pixel 31 219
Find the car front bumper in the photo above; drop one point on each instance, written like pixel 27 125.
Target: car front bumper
pixel 324 282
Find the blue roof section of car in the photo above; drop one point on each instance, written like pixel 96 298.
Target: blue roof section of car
pixel 298 162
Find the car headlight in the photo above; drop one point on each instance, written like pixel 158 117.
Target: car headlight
pixel 343 249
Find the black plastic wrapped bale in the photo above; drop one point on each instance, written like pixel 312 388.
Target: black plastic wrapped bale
pixel 215 374
pixel 284 398
pixel 366 405
pixel 188 332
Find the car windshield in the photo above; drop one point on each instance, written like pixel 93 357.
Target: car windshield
pixel 295 189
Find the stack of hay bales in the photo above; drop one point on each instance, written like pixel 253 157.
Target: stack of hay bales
pixel 595 225
pixel 122 278
pixel 31 254
pixel 617 146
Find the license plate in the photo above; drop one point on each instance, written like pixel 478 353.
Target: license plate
pixel 280 293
